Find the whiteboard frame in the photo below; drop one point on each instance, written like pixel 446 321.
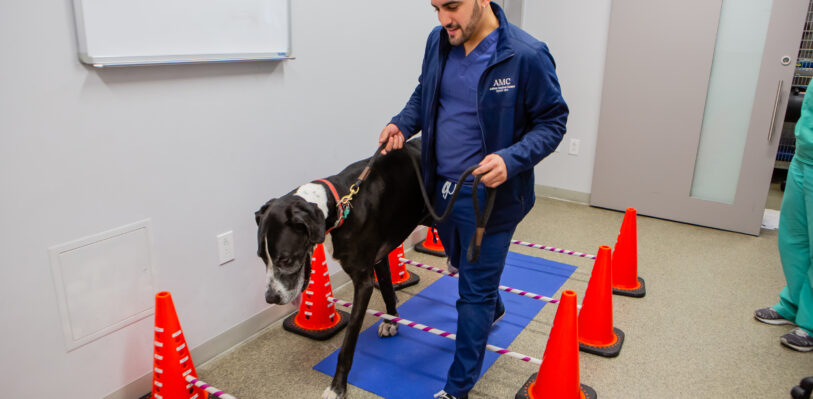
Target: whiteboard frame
pixel 163 59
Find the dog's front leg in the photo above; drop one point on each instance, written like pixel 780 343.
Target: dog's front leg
pixel 382 270
pixel 363 289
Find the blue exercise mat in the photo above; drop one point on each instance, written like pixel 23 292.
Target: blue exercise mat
pixel 414 363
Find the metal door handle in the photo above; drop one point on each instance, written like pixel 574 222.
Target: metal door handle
pixel 773 114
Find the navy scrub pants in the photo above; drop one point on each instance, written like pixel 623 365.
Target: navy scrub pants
pixel 478 288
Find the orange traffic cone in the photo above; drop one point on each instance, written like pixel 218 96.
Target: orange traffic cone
pixel 625 260
pixel 400 276
pixel 596 332
pixel 317 317
pixel 558 376
pixel 171 360
pixel 431 245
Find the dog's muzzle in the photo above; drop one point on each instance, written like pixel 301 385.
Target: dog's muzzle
pixel 282 288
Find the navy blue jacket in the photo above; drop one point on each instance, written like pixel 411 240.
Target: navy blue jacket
pixel 519 104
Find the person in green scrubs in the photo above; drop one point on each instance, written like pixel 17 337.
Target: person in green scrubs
pixel 795 238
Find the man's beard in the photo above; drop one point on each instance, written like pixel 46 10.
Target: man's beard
pixel 467 31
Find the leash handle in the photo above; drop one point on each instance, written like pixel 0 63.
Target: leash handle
pixel 473 252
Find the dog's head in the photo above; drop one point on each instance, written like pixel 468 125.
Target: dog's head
pixel 288 228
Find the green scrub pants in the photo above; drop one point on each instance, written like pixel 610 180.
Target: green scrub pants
pixel 795 242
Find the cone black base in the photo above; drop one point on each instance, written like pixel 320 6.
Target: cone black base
pixel 636 293
pixel 420 248
pixel 319 335
pixel 606 351
pixel 412 280
pixel 524 392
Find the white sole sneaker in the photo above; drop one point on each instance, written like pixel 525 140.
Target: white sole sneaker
pixel 797 340
pixel 795 347
pixel 775 322
pixel 772 317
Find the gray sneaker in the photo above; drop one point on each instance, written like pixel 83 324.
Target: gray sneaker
pixel 770 316
pixel 797 339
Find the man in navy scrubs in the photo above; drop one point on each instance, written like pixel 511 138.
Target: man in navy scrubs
pixel 488 94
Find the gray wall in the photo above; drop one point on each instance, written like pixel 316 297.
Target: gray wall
pixel 196 149
pixel 576 33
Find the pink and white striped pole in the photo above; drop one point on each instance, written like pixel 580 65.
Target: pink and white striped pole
pixel 445 334
pixel 208 388
pixel 502 287
pixel 552 249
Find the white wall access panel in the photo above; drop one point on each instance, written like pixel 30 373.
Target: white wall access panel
pixel 103 282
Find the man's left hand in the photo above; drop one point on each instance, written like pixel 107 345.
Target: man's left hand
pixel 493 170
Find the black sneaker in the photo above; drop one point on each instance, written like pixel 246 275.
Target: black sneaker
pixel 444 395
pixel 797 339
pixel 498 317
pixel 770 316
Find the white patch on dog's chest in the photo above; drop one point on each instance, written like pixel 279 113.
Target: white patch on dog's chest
pixel 315 194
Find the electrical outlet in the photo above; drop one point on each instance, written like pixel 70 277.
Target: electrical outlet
pixel 225 247
pixel 574 147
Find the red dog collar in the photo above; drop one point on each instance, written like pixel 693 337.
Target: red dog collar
pixel 340 211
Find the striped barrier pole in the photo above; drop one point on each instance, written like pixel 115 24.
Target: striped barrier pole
pixel 208 388
pixel 502 287
pixel 552 249
pixel 445 334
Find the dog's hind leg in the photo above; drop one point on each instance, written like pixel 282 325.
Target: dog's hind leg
pixel 382 270
pixel 362 290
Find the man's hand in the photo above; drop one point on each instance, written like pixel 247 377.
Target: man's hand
pixel 392 136
pixel 493 170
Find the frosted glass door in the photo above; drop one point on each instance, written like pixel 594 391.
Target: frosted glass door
pixel 732 88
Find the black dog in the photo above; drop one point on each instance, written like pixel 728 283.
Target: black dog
pixel 387 208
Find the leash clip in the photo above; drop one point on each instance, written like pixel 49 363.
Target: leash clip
pixel 354 189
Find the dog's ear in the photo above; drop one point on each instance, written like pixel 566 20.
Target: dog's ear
pixel 311 217
pixel 259 214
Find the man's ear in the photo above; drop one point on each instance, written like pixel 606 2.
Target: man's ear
pixel 311 217
pixel 259 214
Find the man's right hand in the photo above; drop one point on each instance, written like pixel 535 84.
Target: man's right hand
pixel 392 136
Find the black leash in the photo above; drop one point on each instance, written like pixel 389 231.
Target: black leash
pixel 473 252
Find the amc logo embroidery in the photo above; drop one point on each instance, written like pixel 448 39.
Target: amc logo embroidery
pixel 502 85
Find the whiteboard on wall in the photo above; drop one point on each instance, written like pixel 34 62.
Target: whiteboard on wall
pixel 137 32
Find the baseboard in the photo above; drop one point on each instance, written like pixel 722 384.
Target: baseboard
pixel 561 194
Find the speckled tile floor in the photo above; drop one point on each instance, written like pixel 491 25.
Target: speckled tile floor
pixel 692 336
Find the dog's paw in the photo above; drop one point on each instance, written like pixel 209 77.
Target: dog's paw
pixel 329 394
pixel 387 329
